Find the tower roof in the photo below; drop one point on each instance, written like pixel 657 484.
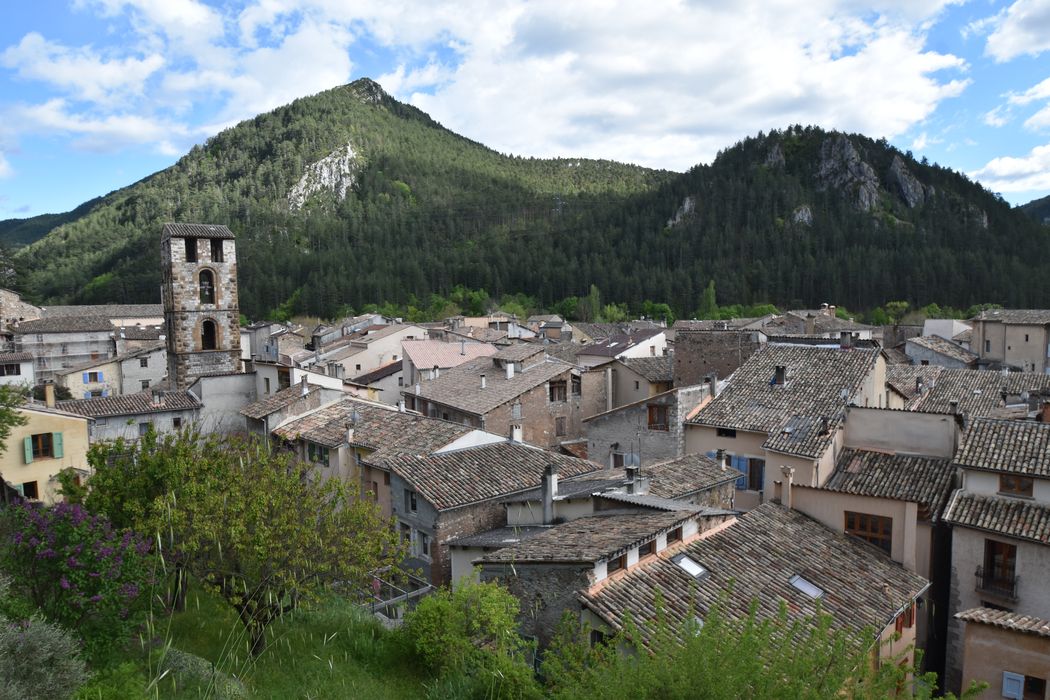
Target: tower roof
pixel 195 231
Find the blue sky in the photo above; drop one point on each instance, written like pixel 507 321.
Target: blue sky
pixel 96 94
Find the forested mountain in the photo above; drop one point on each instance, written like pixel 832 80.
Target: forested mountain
pixel 1038 210
pixel 350 197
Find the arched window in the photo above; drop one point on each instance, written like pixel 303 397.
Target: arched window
pixel 208 334
pixel 207 287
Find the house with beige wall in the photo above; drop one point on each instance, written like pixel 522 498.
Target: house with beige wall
pixel 1014 338
pixel 51 440
pixel 16 369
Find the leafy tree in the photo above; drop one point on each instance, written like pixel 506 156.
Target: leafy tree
pixel 263 529
pixel 10 418
pixel 61 393
pixel 708 304
pixel 79 571
pixel 614 313
pixel 896 310
pixel 658 312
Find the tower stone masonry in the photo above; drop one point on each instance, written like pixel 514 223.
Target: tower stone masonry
pixel 199 292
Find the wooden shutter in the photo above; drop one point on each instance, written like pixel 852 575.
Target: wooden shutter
pixel 86 378
pixel 56 445
pixel 27 446
pixel 100 376
pixel 1013 685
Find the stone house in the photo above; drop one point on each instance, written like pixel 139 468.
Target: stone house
pixel 386 381
pixel 262 417
pixel 365 350
pixel 128 373
pixel 786 405
pixel 131 416
pixel 64 342
pixel 646 431
pixel 643 343
pixel 935 350
pixel 1014 338
pixel 423 357
pixel 519 392
pixel 972 393
pixel 705 354
pixel 1000 518
pixel 454 493
pixel 51 440
pixel 17 369
pixel 1007 650
pixel 14 310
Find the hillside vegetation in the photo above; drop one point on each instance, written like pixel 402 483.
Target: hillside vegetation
pixel 350 197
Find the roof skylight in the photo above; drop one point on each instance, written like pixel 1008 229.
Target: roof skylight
pixel 690 566
pixel 807 587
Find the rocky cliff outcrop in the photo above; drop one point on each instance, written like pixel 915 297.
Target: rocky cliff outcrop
pixel 841 168
pixel 775 157
pixel 334 173
pixel 907 185
pixel 803 215
pixel 687 208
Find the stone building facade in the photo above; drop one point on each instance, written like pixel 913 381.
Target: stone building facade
pixel 702 353
pixel 199 290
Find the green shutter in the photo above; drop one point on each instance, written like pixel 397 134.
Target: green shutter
pixel 27 446
pixel 56 444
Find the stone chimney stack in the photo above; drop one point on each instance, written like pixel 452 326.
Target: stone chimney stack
pixel 483 381
pixel 789 478
pixel 49 394
pixel 780 375
pixel 632 478
pixel 845 340
pixel 549 489
pixel 720 457
pixel 304 386
pixel 510 370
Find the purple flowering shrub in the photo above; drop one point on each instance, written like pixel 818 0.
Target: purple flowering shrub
pixel 79 571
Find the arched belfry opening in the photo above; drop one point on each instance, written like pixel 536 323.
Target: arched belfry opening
pixel 206 285
pixel 208 335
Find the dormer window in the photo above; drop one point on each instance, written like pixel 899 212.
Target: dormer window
pixel 616 564
pixel 646 549
pixel 207 287
pixel 1016 485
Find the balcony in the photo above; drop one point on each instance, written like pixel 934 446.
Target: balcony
pixel 1001 586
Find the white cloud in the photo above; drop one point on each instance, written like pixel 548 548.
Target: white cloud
pixel 1013 174
pixel 106 133
pixel 1000 116
pixel 1022 28
pixel 5 167
pixel 81 71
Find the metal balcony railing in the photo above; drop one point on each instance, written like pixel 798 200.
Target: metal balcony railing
pixel 1002 586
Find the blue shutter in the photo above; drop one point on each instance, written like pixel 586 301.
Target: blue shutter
pixel 85 378
pixel 27 447
pixel 740 463
pixel 100 376
pixel 105 392
pixel 56 445
pixel 87 394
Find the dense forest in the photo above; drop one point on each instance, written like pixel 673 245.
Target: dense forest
pixel 792 217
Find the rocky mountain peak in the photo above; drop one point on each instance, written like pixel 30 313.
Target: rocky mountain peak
pixel 368 90
pixel 841 167
pixel 908 186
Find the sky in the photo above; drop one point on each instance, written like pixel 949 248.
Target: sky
pixel 97 94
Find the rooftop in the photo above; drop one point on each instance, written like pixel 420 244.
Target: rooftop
pixel 1013 517
pixel 469 475
pixel 426 354
pixel 979 392
pixel 460 387
pixel 64 324
pixel 1007 620
pixel 618 343
pixel 939 345
pixel 500 537
pixel 275 402
pixel 900 477
pixel 653 369
pixel 195 231
pixel 12 357
pixel 387 370
pixel 132 404
pixel 757 558
pixel 1021 447
pixel 519 352
pixel 594 538
pixel 681 477
pixel 105 310
pixel 1036 317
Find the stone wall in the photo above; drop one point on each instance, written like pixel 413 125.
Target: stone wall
pixel 461 522
pixel 545 591
pixel 698 353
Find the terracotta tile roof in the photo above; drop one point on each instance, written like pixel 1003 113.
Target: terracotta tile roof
pixel 654 369
pixel 460 387
pixel 519 352
pixel 923 480
pixel 794 323
pixel 964 337
pixel 485 335
pixel 195 231
pixel 1036 317
pixel 141 332
pixel 618 343
pixel 646 501
pixel 1007 620
pixel 1021 447
pixel 461 477
pixel 500 536
pixel 104 310
pixel 939 345
pixel 64 324
pixel 678 478
pixel 275 402
pixel 376 427
pixel 597 331
pixel 12 357
pixel 1014 517
pixel 383 372
pixel 791 414
pixel 754 559
pixel 979 392
pixel 594 538
pixel 426 354
pixel 131 404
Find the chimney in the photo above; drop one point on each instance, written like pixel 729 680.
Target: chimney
pixel 417 388
pixel 483 381
pixel 632 478
pixel 713 378
pixel 845 340
pixel 825 425
pixel 720 457
pixel 304 386
pixel 789 477
pixel 350 432
pixel 832 310
pixel 510 370
pixel 918 385
pixel 401 406
pixel 780 376
pixel 515 433
pixel 549 489
pixel 811 324
pixel 1044 414
pixel 435 373
pixel 824 308
pixel 954 407
pixel 49 394
pixel 462 347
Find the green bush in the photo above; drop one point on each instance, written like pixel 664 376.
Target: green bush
pixel 38 660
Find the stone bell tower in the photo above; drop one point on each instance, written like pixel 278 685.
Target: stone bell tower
pixel 199 291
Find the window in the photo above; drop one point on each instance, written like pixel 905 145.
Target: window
pixel 557 390
pixel 1026 337
pixel 43 446
pixel 411 504
pixel 617 460
pixel 424 544
pixel 515 411
pixel 691 566
pixel 658 417
pixel 906 620
pixel 145 384
pixel 1000 563
pixel 647 549
pixel 652 351
pixel 176 422
pixel 65 350
pixel 400 381
pixel 725 432
pixel 375 491
pixel 875 529
pixel 598 637
pixel 92 377
pixel 559 427
pixel 12 370
pixel 577 386
pixel 207 287
pixel 1016 485
pixel 616 564
pixel 318 454
pixel 386 478
pixel 191 249
pixel 807 587
pixel 674 535
pixel 637 385
pixel 266 385
pixel 143 362
pixel 216 250
pixel 752 472
pixel 208 335
pixel 1022 687
pixel 143 428
pixel 357 368
pixel 29 490
pixel 406 533
pixel 987 346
